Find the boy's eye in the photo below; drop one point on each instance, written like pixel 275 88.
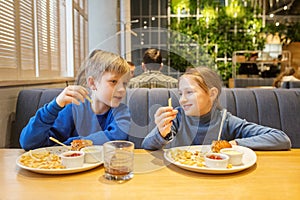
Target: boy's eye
pixel 114 81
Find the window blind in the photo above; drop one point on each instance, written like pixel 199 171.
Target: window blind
pixel 80 33
pixel 26 38
pixel 33 38
pixel 48 37
pixel 8 43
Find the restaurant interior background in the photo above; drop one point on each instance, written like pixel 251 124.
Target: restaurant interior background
pixel 43 42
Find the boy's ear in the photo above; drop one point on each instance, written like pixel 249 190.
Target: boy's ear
pixel 91 83
pixel 213 93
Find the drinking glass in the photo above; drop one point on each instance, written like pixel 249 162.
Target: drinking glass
pixel 118 160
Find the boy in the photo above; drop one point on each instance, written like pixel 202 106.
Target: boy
pixel 72 116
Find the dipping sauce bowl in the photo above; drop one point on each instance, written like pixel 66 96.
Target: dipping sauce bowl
pixel 72 159
pixel 235 156
pixel 93 154
pixel 216 160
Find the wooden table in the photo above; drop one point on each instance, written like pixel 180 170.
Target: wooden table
pixel 276 175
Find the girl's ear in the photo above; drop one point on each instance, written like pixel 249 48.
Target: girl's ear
pixel 91 83
pixel 213 93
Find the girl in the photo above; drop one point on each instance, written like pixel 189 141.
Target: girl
pixel 71 116
pixel 199 118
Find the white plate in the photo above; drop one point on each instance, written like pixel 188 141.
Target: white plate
pixel 57 150
pixel 249 159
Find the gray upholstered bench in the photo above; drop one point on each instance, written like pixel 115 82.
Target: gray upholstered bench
pixel 278 108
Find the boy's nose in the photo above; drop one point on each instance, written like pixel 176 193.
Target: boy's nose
pixel 121 87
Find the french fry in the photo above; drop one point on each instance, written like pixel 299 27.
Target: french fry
pixel 170 102
pixel 42 160
pixel 186 157
pixel 89 99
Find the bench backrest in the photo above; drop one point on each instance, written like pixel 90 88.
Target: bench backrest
pixel 277 108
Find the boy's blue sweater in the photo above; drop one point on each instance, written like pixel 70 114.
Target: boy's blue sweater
pixel 74 122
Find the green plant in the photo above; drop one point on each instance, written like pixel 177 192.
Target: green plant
pixel 287 33
pixel 219 32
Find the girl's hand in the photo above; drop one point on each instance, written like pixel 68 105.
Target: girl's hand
pixel 163 119
pixel 72 94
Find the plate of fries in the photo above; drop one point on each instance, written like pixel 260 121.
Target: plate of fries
pixel 47 161
pixel 192 158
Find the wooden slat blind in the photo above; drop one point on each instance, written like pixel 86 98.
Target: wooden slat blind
pixel 8 44
pixel 33 38
pixel 48 37
pixel 27 48
pixel 80 33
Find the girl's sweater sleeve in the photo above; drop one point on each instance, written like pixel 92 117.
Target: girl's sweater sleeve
pixel 256 136
pixel 43 125
pixel 154 140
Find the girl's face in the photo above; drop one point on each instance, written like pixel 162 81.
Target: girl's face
pixel 193 99
pixel 108 91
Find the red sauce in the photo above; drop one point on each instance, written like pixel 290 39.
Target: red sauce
pixel 73 155
pixel 215 157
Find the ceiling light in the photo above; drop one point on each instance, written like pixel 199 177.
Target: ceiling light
pixel 272 15
pixel 285 8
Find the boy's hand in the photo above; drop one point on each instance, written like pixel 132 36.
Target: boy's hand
pixel 163 119
pixel 72 94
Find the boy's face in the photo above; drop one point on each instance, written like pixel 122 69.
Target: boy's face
pixel 193 99
pixel 111 88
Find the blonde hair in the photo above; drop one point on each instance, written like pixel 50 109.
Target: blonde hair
pixel 100 61
pixel 206 79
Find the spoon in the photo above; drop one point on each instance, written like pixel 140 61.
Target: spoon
pixel 222 123
pixel 58 142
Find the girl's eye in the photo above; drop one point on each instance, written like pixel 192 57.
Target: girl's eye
pixel 180 93
pixel 125 84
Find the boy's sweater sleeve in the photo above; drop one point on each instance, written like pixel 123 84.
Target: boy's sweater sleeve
pixel 256 136
pixel 40 127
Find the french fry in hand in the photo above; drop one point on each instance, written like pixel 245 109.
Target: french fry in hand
pixel 170 102
pixel 89 99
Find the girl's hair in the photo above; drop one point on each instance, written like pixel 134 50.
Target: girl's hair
pixel 100 61
pixel 206 79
